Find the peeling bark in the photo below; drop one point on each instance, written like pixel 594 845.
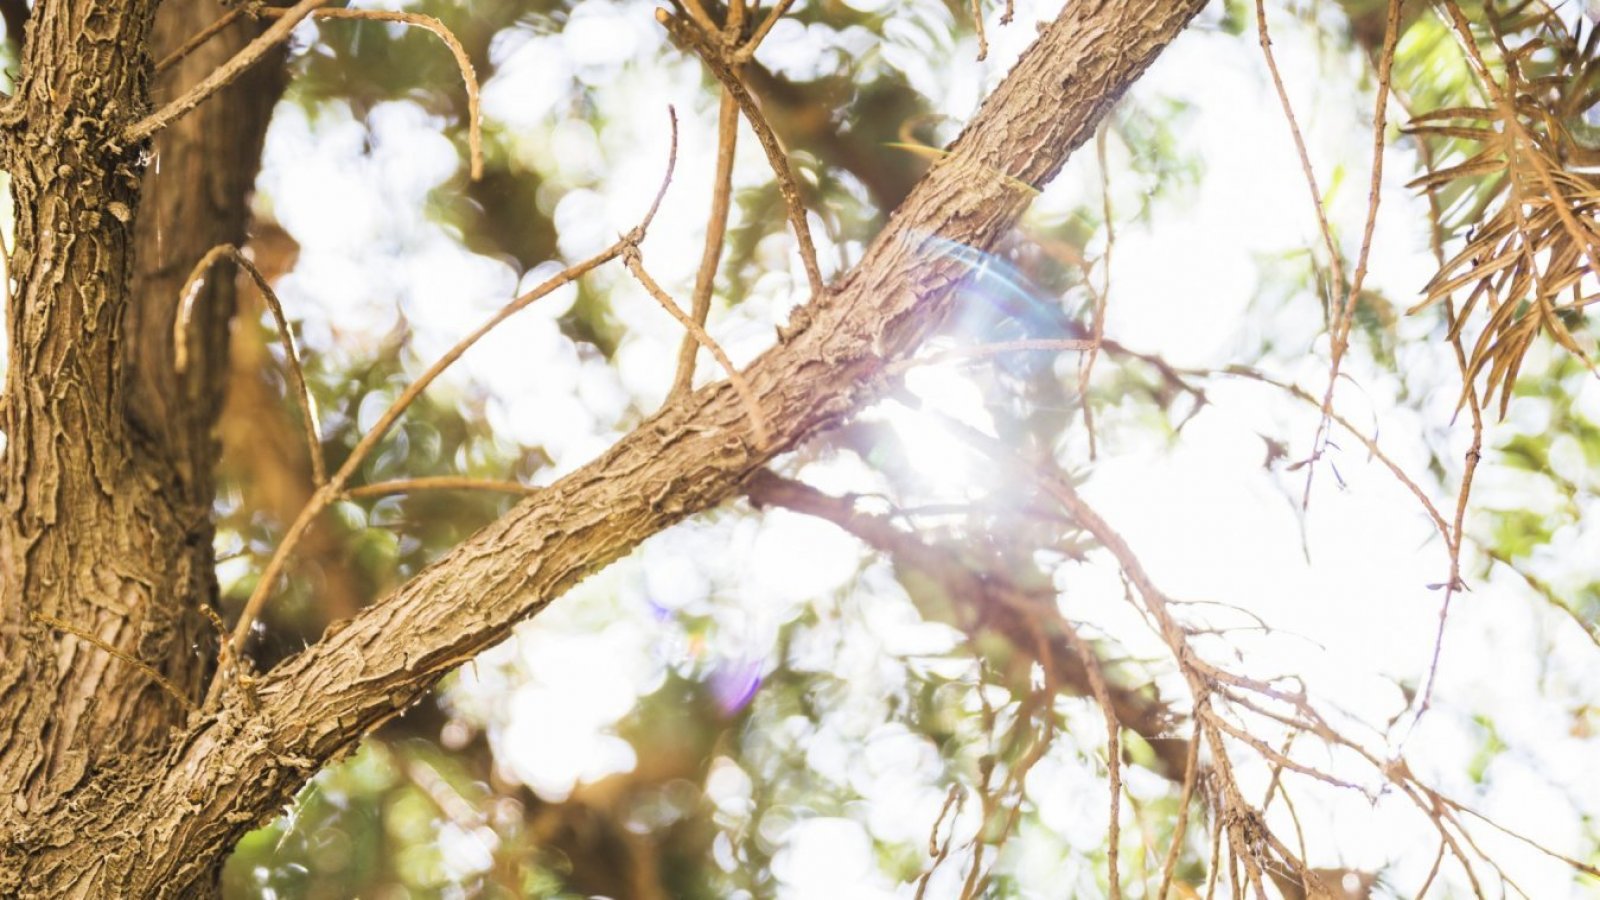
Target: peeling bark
pixel 107 472
pixel 95 820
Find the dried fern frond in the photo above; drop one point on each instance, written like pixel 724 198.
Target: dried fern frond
pixel 1536 236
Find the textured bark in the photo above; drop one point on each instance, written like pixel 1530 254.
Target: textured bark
pixel 107 473
pixel 158 824
pixel 89 535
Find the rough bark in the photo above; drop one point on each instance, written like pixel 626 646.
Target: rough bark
pixel 157 825
pixel 107 472
pixel 89 536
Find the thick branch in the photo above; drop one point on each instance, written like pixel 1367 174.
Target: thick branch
pixel 697 451
pixel 232 771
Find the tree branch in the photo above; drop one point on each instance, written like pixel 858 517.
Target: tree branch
pixel 220 78
pixel 233 769
pixel 1008 609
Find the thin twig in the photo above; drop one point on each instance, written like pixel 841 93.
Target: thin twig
pixel 335 486
pixel 983 53
pixel 160 679
pixel 1191 774
pixel 1445 531
pixel 955 799
pixel 1097 684
pixel 758 421
pixel 716 232
pixel 1326 230
pixel 1335 262
pixel 200 37
pixel 1537 584
pixel 1580 865
pixel 1098 329
pixel 1433 873
pixel 1344 312
pixel 463 63
pixel 746 52
pixel 720 66
pixel 1215 869
pixel 1474 450
pixel 297 374
pixel 1266 752
pixel 223 74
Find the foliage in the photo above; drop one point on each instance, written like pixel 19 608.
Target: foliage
pixel 900 681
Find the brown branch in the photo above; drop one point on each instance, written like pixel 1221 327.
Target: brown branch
pixel 954 800
pixel 758 420
pixel 716 60
pixel 469 77
pixel 735 21
pixel 297 374
pixel 161 680
pixel 1007 609
pixel 199 39
pixel 983 53
pixel 743 54
pixel 223 75
pixel 684 459
pixel 697 13
pixel 716 231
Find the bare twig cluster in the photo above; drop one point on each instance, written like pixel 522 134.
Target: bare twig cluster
pixel 724 49
pixel 1547 215
pixel 337 485
pixel 286 19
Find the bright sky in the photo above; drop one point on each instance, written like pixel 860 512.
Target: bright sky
pixel 1208 521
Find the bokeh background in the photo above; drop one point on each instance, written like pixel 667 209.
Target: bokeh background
pixel 758 703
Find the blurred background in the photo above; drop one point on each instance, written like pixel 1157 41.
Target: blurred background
pixel 837 687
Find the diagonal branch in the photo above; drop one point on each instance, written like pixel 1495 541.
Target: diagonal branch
pixel 291 351
pixel 241 765
pixel 716 233
pixel 717 61
pixel 252 53
pixel 1008 609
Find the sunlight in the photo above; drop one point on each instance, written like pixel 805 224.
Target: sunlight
pixel 938 457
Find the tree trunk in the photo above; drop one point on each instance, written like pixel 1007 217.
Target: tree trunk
pixel 108 470
pixel 106 473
